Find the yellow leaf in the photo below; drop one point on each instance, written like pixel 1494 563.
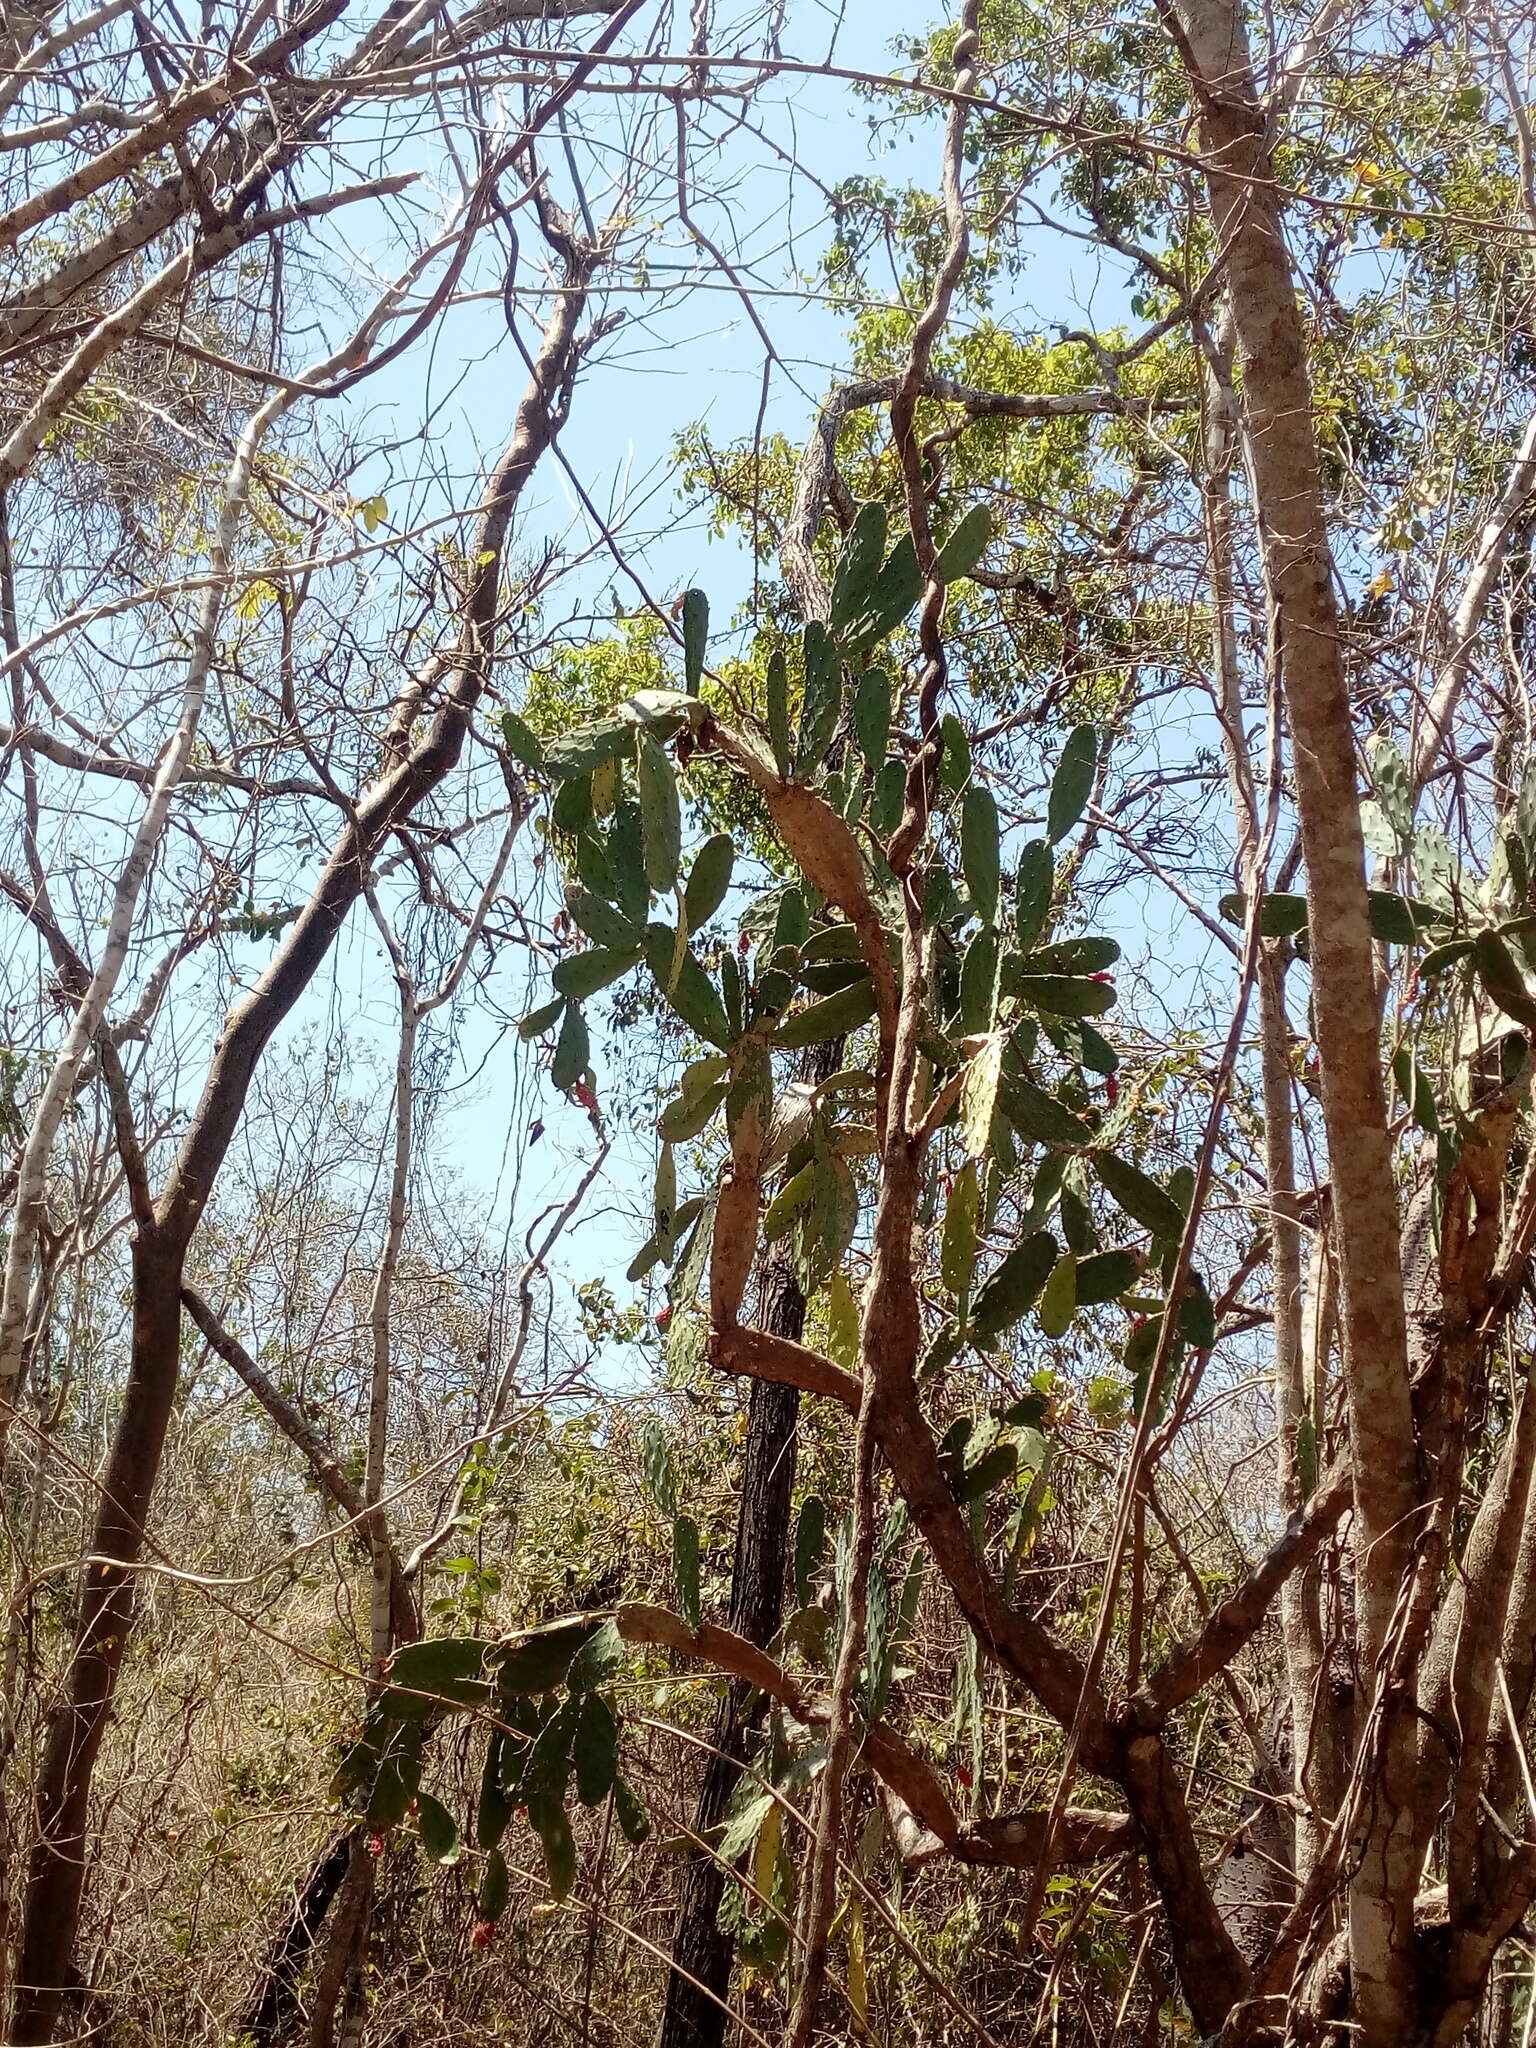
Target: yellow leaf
pixel 842 1324
pixel 978 1096
pixel 858 1971
pixel 766 1853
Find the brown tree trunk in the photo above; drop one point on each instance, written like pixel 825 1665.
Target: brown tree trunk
pixel 56 1870
pixel 1277 405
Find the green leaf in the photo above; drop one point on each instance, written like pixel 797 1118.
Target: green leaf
pixel 685 1567
pixel 978 1096
pixel 1398 919
pixel 1041 1117
pixel 1391 787
pixel 940 1351
pixel 546 1766
pixel 494 1888
pixel 1077 1215
pixel 822 700
pixel 1140 1196
pixel 1197 1315
pixel 1064 995
pixel 1502 979
pixel 978 982
pixel 692 994
pixel 732 995
pixel 695 637
pixel 955 763
pixel 573 1051
pixel 583 974
pixel 1415 1089
pixel 1281 915
pixel 1439 958
pixel 658 1466
pixel 546 1816
pixel 438 1829
pixel 778 713
pixel 601 922
pixel 1072 784
pixel 810 1547
pixel 979 850
pixel 521 741
pixel 708 880
pixel 1012 1287
pixel 826 977
pixel 895 590
pixel 493 1809
pixel 595 1749
pixel 666 1202
pixel 586 747
pixel 741 1829
pixel 797 1193
pixel 538 1021
pixel 1033 886
pixel 990 1470
pixel 440 1669
pixel 633 1819
pixel 683 1288
pixel 390 1796
pixel 792 920
pixel 661 819
pixel 834 1220
pixel 1139 1358
pixel 571 810
pixel 1073 956
pixel 1058 1298
pixel 887 798
pixel 667 711
pixel 599 1661
pixel 1525 814
pixel 686 1117
pixel 651 1251
pixel 858 564
pixel 872 717
pixel 957 1240
pixel 537 1659
pixel 1106 1275
pixel 626 860
pixel 833 1017
pixel 966 545
pixel 1081 1044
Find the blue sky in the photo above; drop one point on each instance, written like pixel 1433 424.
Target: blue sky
pixel 686 355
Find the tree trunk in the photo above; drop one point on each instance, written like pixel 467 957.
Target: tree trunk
pixel 696 2012
pixel 1277 406
pixel 56 1870
pixel 273 2005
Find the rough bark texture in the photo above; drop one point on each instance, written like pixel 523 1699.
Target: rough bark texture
pixel 695 2013
pixel 272 2009
pixel 1277 405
